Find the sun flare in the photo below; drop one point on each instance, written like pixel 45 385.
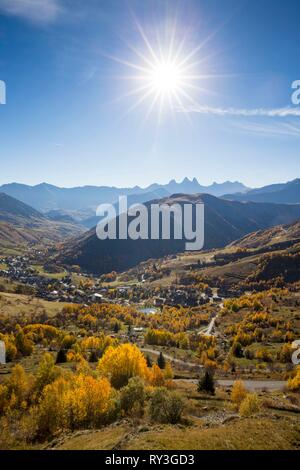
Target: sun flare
pixel 166 77
pixel 165 73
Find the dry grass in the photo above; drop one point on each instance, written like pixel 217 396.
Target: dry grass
pixel 15 304
pixel 245 434
pixel 105 439
pixel 242 434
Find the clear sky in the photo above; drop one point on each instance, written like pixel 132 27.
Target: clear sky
pixel 68 122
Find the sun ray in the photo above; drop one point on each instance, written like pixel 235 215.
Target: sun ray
pixel 164 70
pixel 145 39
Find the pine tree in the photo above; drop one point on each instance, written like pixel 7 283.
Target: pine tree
pixel 61 357
pixel 206 383
pixel 161 361
pixel 94 357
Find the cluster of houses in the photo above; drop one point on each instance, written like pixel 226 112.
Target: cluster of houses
pixel 19 269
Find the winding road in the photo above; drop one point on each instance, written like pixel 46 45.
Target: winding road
pixel 251 385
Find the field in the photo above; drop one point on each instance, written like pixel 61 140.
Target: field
pixel 210 423
pixel 16 304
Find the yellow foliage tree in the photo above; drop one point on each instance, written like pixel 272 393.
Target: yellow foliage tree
pixel 294 382
pixel 168 372
pixel 121 363
pixel 238 392
pixel 157 378
pixel 46 373
pixel 250 405
pixel 18 387
pixel 82 401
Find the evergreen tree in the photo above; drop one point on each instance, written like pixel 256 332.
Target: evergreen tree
pixel 61 356
pixel 161 361
pixel 94 357
pixel 206 383
pixel 237 349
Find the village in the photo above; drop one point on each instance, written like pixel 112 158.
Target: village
pixel 81 288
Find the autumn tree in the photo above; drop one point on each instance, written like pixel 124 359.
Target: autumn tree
pixel 294 382
pixel 46 373
pixel 238 392
pixel 250 405
pixel 156 377
pixel 18 387
pixel 22 342
pixel 121 363
pixel 76 402
pixel 168 372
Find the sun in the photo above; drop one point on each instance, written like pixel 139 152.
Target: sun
pixel 164 73
pixel 166 77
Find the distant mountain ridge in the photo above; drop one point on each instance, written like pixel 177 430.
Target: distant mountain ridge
pixel 279 234
pixel 225 221
pixel 81 202
pixel 286 193
pixel 15 211
pixel 21 224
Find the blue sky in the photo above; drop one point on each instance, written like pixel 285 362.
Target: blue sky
pixel 66 120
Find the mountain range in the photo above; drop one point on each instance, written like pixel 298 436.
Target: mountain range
pixel 81 202
pixel 225 221
pixel 78 204
pixel 67 214
pixel 21 224
pixel 286 193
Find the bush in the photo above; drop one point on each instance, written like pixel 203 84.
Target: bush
pixel 68 341
pixel 206 383
pixel 294 382
pixel 250 405
pixel 133 396
pixel 238 392
pixel 165 406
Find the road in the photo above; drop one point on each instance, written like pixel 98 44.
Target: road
pixel 256 385
pixel 209 330
pixel 251 385
pixel 172 359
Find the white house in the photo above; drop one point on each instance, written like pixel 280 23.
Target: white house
pixel 2 353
